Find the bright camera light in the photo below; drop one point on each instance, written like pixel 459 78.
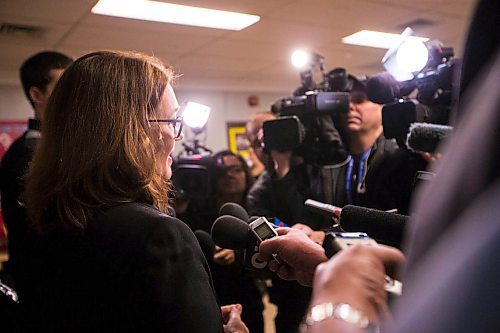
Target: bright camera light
pixel 406 58
pixel 300 58
pixel 412 56
pixel 195 115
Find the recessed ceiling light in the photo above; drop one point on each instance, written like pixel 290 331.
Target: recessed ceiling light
pixel 172 13
pixel 378 39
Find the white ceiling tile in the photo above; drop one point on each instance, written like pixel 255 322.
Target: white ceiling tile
pixel 63 11
pixel 256 57
pixel 113 38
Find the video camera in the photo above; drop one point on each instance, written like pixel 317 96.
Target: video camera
pixel 306 119
pixel 194 175
pixel 191 176
pixel 433 87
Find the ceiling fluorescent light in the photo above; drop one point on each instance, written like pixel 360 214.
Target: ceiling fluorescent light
pixel 172 13
pixel 378 39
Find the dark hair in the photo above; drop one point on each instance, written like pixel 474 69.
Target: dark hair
pixel 219 158
pixel 98 149
pixel 35 71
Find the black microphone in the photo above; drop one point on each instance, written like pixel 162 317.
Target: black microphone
pixel 233 209
pixel 206 243
pixel 426 137
pixel 383 88
pixel 230 232
pixel 386 228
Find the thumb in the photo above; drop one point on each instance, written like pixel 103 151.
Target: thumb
pixel 236 310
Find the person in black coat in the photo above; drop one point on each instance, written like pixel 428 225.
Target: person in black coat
pixel 103 255
pixel 39 75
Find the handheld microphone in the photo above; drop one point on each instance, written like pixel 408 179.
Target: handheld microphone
pixel 233 209
pixel 206 243
pixel 386 228
pixel 426 137
pixel 230 232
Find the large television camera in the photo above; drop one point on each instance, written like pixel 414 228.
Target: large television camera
pixel 191 176
pixel 425 98
pixel 306 122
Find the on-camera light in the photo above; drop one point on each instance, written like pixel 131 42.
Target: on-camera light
pixel 407 58
pixel 300 58
pixel 412 56
pixel 195 115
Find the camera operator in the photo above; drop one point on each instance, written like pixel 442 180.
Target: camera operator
pixel 361 129
pixel 258 157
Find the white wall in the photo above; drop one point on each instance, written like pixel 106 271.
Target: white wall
pixel 226 107
pixel 13 103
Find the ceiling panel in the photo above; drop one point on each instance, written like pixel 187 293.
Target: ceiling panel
pixel 49 10
pixel 243 49
pixel 255 58
pixel 112 38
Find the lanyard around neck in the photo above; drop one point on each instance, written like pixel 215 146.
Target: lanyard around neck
pixel 360 176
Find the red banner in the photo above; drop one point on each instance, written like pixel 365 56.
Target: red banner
pixel 10 130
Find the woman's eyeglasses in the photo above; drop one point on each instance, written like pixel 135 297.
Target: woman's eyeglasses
pixel 176 124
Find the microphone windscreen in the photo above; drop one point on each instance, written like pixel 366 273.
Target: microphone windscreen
pixel 426 137
pixel 206 243
pixel 233 209
pixel 230 232
pixel 384 227
pixel 382 88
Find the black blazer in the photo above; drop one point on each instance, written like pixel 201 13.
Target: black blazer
pixel 134 269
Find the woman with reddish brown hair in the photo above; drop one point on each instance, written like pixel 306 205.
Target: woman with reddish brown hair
pixel 103 255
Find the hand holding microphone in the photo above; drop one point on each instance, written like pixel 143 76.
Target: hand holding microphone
pixel 298 255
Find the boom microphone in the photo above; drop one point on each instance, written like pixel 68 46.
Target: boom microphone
pixel 233 209
pixel 426 137
pixel 386 228
pixel 230 232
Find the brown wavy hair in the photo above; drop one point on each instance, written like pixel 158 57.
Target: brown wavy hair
pixel 97 148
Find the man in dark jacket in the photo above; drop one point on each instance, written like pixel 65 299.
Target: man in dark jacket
pixel 39 75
